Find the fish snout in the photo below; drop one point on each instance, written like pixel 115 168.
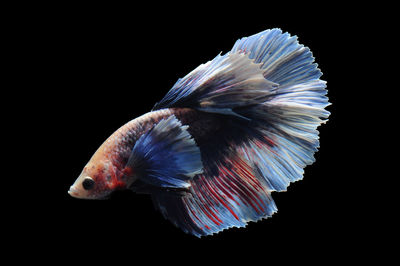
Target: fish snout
pixel 73 192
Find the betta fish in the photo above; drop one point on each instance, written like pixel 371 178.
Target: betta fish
pixel 226 136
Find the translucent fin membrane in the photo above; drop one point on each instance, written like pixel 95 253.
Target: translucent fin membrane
pixel 231 199
pixel 167 155
pixel 283 60
pixel 272 81
pixel 225 83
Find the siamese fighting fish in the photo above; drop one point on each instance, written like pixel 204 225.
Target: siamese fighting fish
pixel 227 135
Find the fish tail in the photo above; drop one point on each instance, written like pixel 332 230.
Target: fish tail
pixel 270 90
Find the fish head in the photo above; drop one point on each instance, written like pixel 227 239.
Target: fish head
pixel 97 181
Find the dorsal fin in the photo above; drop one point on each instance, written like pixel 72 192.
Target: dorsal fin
pixel 221 85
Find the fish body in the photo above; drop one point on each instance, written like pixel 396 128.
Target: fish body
pixel 108 166
pixel 223 138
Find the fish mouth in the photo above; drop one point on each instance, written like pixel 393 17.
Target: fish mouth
pixel 73 192
pixel 78 193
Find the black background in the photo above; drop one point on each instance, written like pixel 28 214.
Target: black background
pixel 97 68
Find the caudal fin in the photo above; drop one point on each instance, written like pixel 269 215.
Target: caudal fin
pixel 268 94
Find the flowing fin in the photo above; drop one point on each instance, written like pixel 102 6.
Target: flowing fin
pixel 219 86
pixel 214 203
pixel 283 60
pixel 284 134
pixel 245 159
pixel 167 155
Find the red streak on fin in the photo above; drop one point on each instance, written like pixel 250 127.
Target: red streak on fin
pixel 222 186
pixel 227 207
pixel 218 198
pixel 270 142
pixel 251 179
pixel 242 180
pixel 232 185
pixel 204 207
pixel 254 181
pixel 213 215
pixel 210 191
pixel 246 194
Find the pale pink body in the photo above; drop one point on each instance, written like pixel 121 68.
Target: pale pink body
pixel 107 167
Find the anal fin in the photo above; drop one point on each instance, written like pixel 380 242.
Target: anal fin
pixel 214 203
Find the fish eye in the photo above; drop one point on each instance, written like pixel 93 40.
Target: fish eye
pixel 88 183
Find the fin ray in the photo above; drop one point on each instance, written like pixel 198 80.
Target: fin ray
pixel 270 87
pixel 167 155
pixel 227 82
pixel 231 199
pixel 283 60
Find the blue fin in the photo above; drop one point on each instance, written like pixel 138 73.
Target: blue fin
pixel 273 82
pixel 283 60
pixel 221 85
pixel 214 203
pixel 166 156
pixel 284 137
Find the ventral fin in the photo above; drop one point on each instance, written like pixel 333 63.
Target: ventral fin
pixel 166 155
